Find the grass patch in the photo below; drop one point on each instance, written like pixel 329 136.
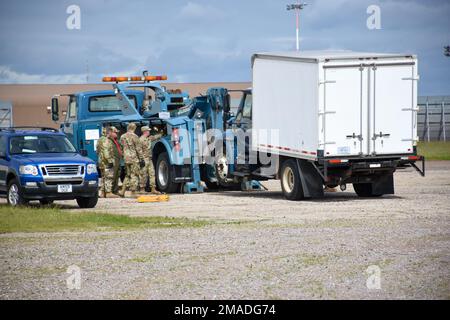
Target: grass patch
pixel 29 219
pixel 435 150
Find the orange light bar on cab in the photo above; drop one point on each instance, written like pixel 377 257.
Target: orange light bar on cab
pixel 134 78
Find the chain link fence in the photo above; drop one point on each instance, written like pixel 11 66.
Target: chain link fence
pixel 433 118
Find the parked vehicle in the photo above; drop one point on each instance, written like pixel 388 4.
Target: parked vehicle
pixel 341 117
pixel 42 164
pixel 338 118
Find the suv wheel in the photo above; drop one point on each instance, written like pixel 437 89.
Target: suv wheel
pixel 14 195
pixel 90 202
pixel 46 202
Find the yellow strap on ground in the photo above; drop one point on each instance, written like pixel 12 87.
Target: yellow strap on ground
pixel 153 198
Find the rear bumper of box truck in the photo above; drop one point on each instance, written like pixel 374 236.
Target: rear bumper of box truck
pixel 337 171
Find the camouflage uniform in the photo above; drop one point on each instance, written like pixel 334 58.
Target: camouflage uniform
pixel 147 172
pixel 132 158
pixel 109 164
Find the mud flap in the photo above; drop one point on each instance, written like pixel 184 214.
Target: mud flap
pixel 310 179
pixel 383 185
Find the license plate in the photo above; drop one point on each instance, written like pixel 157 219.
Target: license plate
pixel 64 188
pixel 375 165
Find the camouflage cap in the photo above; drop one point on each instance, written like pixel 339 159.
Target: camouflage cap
pixel 113 129
pixel 145 128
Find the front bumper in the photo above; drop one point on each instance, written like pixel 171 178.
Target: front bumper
pixel 45 191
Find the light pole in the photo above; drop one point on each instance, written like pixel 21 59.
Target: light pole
pixel 297 7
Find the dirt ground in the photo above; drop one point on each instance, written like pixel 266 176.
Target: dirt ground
pixel 258 246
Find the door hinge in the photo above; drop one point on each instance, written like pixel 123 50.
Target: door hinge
pixel 411 109
pixel 324 143
pixel 321 112
pixel 326 81
pixel 412 78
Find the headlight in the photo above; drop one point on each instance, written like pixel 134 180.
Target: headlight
pixel 28 169
pixel 91 168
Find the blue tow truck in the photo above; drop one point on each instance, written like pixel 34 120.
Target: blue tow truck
pixel 41 164
pixel 183 122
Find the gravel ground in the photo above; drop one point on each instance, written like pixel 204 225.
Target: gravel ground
pixel 259 246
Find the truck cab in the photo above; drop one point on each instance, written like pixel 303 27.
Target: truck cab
pixel 89 112
pixel 42 164
pixel 243 118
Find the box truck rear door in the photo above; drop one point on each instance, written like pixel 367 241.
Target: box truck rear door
pixel 393 108
pixel 344 110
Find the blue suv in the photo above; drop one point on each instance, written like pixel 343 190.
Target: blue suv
pixel 41 164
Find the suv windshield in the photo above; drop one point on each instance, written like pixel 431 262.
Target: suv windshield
pixel 29 144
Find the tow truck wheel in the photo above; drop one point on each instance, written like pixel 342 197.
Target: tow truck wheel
pixel 90 202
pixel 164 175
pixel 14 196
pixel 290 181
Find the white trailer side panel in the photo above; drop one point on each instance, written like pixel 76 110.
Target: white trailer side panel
pixel 285 99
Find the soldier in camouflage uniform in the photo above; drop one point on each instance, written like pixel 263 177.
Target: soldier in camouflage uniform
pixel 148 172
pixel 132 155
pixel 109 154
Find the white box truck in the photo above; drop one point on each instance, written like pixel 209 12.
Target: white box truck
pixel 342 117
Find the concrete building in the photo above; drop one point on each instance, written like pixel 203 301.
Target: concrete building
pixel 31 101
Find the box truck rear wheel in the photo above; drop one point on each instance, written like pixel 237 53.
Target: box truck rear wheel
pixel 164 174
pixel 365 190
pixel 290 181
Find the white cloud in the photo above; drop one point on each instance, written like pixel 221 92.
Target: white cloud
pixel 7 75
pixel 195 10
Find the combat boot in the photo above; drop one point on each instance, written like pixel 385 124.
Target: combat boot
pixel 102 194
pixel 111 195
pixel 154 191
pixel 134 194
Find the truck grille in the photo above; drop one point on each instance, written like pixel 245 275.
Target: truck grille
pixel 66 170
pixel 70 181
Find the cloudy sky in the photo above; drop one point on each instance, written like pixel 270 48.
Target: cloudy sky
pixel 208 40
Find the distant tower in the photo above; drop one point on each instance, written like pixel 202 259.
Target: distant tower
pixel 87 70
pixel 297 7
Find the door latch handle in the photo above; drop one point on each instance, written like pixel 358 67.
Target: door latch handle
pixel 355 136
pixel 380 135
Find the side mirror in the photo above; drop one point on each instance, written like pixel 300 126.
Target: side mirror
pixel 226 106
pixel 55 109
pixel 84 152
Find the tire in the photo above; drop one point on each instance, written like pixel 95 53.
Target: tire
pixel 205 178
pixel 290 181
pixel 164 175
pixel 14 194
pixel 46 202
pixel 365 190
pixel 90 202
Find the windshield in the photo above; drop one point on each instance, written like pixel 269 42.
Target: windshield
pixel 31 144
pixel 108 103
